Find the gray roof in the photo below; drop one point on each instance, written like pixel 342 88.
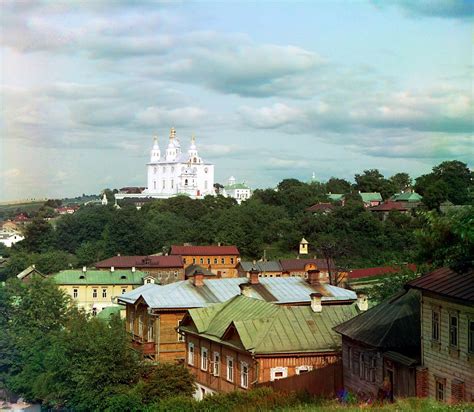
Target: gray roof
pixel 392 325
pixel 185 295
pixel 268 266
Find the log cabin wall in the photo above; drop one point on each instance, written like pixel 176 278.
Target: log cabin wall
pixel 170 347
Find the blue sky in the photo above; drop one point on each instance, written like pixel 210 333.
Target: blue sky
pixel 271 89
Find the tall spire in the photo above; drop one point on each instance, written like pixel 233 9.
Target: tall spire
pixel 155 151
pixel 172 133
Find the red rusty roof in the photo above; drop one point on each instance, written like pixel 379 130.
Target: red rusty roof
pixel 204 250
pixel 448 283
pixel 377 271
pixel 320 207
pixel 388 206
pixel 141 262
pixel 289 265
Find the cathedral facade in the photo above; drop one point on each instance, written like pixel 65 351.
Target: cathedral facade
pixel 174 172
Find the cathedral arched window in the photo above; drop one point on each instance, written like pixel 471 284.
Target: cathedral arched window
pixel 164 169
pixel 154 170
pixel 172 169
pixel 185 182
pixel 195 160
pixel 154 184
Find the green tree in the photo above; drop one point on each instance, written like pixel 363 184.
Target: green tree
pixel 390 285
pixel 373 181
pixel 39 236
pixel 401 181
pixel 336 185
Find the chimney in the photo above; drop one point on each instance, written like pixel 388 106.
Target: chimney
pixel 313 274
pixel 112 268
pixel 245 289
pixel 118 254
pixel 253 276
pixel 198 278
pixel 316 305
pixel 133 269
pixel 362 301
pixel 84 269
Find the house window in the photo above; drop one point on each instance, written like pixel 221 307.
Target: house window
pixel 232 260
pixel 349 358
pixel 194 260
pixel 94 311
pixel 104 293
pixel 453 330
pixel 204 359
pixel 471 336
pixel 216 364
pixel 94 293
pixel 180 335
pixel 151 331
pixel 230 369
pixel 191 353
pixel 440 388
pixel 215 261
pixel 223 260
pixel 244 375
pixel 201 260
pixel 435 326
pixel 278 373
pixel 208 261
pixel 184 260
pixel 124 290
pixel 148 281
pixel 74 293
pixel 303 369
pixel 140 326
pixel 130 325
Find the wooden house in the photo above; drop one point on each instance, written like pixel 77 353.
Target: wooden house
pixel 246 342
pixel 447 330
pixel 221 260
pixel 162 269
pixel 383 345
pixel 154 312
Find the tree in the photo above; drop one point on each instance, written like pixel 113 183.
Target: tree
pixel 401 181
pixel 454 177
pixel 447 240
pixel 39 236
pixel 373 181
pixel 336 185
pixel 390 285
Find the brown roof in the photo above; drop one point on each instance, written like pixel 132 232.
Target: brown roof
pixel 141 262
pixel 320 207
pixel 299 264
pixel 388 206
pixel 377 271
pixel 448 283
pixel 204 250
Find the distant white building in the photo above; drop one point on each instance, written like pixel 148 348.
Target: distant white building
pixel 239 191
pixel 176 172
pixel 10 238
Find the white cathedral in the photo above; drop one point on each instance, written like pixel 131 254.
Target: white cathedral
pixel 175 172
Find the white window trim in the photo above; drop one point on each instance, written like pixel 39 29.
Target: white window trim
pixel 242 375
pixel 230 376
pixel 274 371
pixel 308 368
pixel 216 364
pixel 204 357
pixel 191 354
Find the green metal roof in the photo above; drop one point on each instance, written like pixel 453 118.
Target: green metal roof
pixel 268 328
pixel 371 196
pixel 336 196
pixel 107 312
pixel 236 186
pixel 392 325
pixel 407 197
pixel 99 277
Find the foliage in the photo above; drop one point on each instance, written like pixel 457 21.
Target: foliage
pixel 447 240
pixel 336 185
pixel 373 181
pixel 55 354
pixel 390 285
pixel 450 180
pixel 401 181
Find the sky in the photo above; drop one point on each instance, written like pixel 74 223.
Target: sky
pixel 271 90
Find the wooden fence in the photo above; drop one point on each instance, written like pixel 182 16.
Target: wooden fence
pixel 325 381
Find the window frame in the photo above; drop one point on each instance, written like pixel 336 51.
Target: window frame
pixel 303 368
pixel 440 389
pixel 244 374
pixel 181 337
pixel 75 293
pixel 204 358
pixel 453 330
pixel 216 359
pixel 104 293
pixel 191 354
pixel 230 369
pixel 94 293
pixel 435 325
pixel 278 369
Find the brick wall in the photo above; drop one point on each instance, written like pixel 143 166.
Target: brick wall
pixel 422 382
